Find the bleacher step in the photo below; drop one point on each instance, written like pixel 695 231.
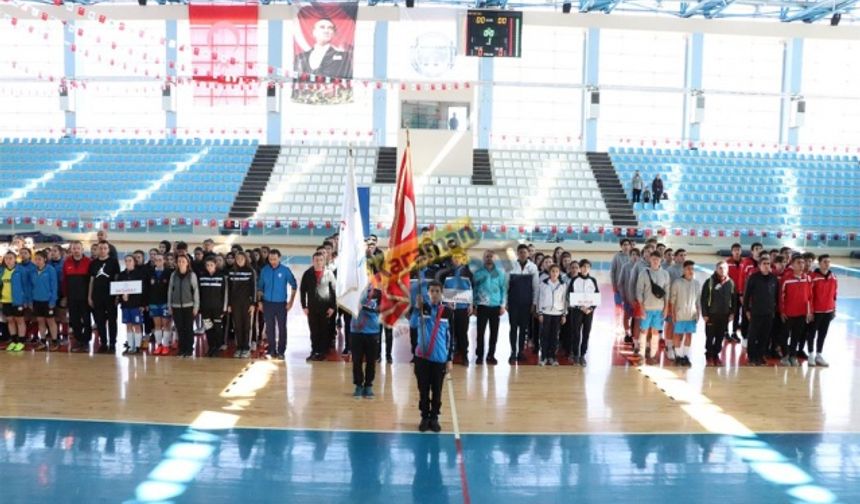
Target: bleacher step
pixel 619 207
pixel 482 170
pixel 257 177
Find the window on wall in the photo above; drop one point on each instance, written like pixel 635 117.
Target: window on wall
pixel 546 107
pixel 742 78
pixel 31 63
pixel 647 60
pixel 123 66
pixel 639 116
pixel 642 58
pixel 345 122
pixel 831 85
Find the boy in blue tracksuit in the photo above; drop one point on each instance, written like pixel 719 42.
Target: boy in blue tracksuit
pixel 44 293
pixel 276 281
pixel 365 330
pixel 15 290
pixel 418 281
pixel 433 355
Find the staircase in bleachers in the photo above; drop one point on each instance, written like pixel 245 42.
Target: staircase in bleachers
pixel 619 207
pixel 745 190
pixel 252 189
pixel 482 172
pixel 386 166
pixel 73 178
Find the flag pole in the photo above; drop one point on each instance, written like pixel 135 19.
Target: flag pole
pixel 421 329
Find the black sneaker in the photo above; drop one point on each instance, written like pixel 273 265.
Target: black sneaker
pixel 802 355
pixel 309 358
pixel 687 362
pixel 389 359
pixel 512 360
pixel 628 339
pixel 345 351
pixel 479 361
pixel 491 361
pixel 424 426
pixel 434 425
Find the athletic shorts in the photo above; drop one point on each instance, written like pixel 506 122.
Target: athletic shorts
pixel 685 327
pixel 653 320
pixel 628 309
pixel 159 311
pixel 618 299
pixel 10 310
pixel 132 315
pixel 41 309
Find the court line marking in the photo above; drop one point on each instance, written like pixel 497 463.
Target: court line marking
pixel 458 443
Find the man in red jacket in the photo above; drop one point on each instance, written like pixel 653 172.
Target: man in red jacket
pixel 795 308
pixel 824 287
pixel 735 263
pixel 75 288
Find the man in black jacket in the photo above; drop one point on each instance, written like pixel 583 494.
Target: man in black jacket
pixel 760 300
pixel 104 270
pixel 213 304
pixel 319 302
pixel 718 304
pixel 656 190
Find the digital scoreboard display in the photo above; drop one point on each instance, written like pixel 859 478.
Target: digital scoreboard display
pixel 494 33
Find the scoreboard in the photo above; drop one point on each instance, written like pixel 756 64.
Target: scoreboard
pixel 494 33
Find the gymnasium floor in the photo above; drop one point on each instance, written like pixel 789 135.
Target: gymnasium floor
pixel 87 429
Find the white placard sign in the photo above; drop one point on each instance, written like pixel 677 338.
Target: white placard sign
pixel 130 287
pixel 456 296
pixel 585 299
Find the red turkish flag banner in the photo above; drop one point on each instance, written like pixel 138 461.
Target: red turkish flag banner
pixel 224 48
pixel 402 246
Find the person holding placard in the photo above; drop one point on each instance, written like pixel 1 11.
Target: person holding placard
pixel 132 303
pixel 584 298
pixel 457 294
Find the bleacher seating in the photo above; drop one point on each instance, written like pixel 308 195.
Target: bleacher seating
pixel 113 178
pixel 531 187
pixel 745 190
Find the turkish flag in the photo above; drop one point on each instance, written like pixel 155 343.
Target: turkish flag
pixel 402 246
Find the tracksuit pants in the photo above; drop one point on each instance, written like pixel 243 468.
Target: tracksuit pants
pixel 365 351
pixel 549 336
pixel 430 377
pixel 275 315
pixel 715 331
pixel 580 331
pixel 104 314
pixel 821 326
pixel 759 330
pixel 487 315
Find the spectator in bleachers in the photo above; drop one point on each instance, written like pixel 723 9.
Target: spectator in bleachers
pixel 522 291
pixel 637 184
pixel 656 190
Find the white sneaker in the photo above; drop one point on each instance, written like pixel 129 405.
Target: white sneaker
pixel 670 353
pixel 554 362
pixel 744 342
pixel 819 361
pixel 810 362
pixel 542 362
pixel 253 346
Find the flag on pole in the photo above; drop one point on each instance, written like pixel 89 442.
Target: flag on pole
pixel 402 245
pixel 351 260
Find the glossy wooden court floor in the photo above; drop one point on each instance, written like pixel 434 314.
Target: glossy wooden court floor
pixel 164 429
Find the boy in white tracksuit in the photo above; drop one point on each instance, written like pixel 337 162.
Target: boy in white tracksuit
pixel 552 310
pixel 685 299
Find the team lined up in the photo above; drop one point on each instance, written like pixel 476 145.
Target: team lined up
pixel 777 300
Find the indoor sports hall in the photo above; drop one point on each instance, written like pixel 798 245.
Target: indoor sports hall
pixel 410 180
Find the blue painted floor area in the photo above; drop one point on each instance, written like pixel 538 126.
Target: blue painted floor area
pixel 94 462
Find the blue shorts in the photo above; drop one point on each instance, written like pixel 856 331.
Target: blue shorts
pixel 132 315
pixel 618 299
pixel 159 311
pixel 653 320
pixel 685 327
